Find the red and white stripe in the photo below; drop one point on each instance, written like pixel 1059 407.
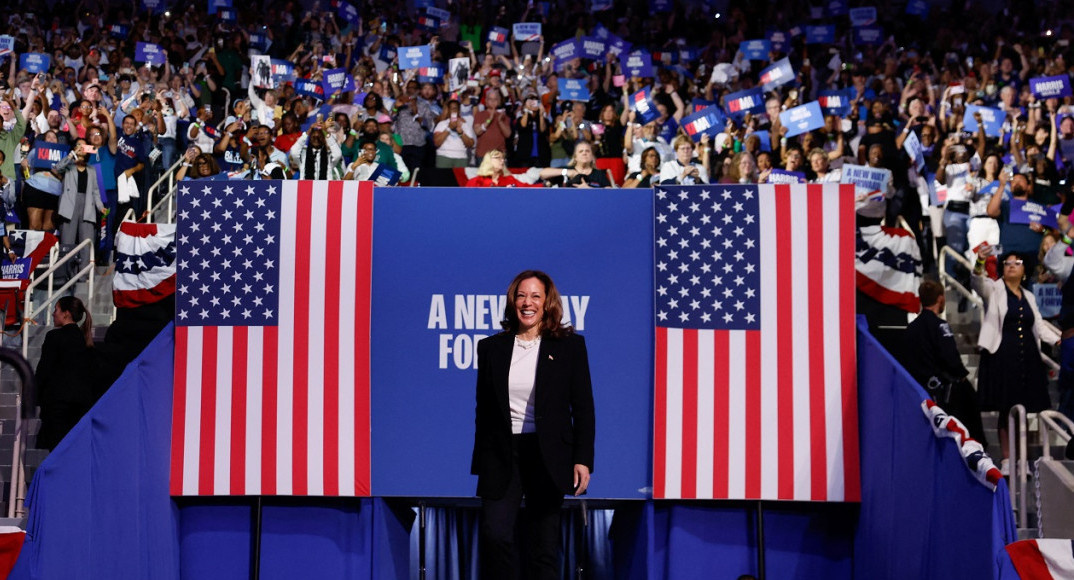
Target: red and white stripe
pixel 1042 559
pixel 285 410
pixel 770 413
pixel 149 285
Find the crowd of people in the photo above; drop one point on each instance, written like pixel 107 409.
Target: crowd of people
pixel 127 93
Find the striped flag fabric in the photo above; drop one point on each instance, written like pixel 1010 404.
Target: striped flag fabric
pixel 755 378
pixel 145 264
pixel 1042 559
pixel 31 248
pixel 272 339
pixel 888 266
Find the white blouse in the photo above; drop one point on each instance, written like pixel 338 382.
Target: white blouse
pixel 520 383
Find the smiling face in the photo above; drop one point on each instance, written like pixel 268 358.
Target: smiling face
pixel 529 306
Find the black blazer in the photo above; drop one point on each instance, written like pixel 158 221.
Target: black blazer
pixel 563 411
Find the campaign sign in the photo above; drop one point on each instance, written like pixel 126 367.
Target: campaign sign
pixel 7 44
pixel 573 90
pixel 764 137
pixel 820 34
pixel 154 6
pixel 777 40
pixel 35 62
pixel 689 55
pixel 755 49
pixel 1030 212
pixel 837 7
pixel 637 64
pixel 992 119
pixel 348 12
pixel 439 286
pixel 259 40
pixel 709 121
pixel 795 31
pixel 835 102
pixel 659 6
pixel 414 57
pixel 527 31
pixel 324 112
pixel 439 13
pixel 863 16
pixel 601 31
pixel 309 88
pixel 784 176
pixel 498 36
pixel 1055 87
pixel 565 51
pixel 617 47
pixel 282 70
pixel 20 269
pixel 226 14
pixel 431 74
pixel 919 8
pixel 777 74
pixel 643 106
pixel 868 35
pixel 384 175
pixel 261 71
pixel 912 146
pixel 148 53
pixel 742 102
pixel 336 81
pixel 600 5
pixel 119 31
pixel 802 119
pixel 593 48
pixel 215 5
pixel 868 178
pixel 44 155
pixel 666 56
pixel 387 52
pixel 1049 299
pixel 428 23
pixel 700 104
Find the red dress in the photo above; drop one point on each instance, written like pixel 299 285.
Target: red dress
pixel 505 181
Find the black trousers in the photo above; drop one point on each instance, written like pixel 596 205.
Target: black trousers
pixel 499 552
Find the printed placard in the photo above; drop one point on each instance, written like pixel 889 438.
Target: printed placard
pixel 617 47
pixel 261 71
pixel 573 90
pixel 217 5
pixel 820 34
pixel 836 103
pixel 992 119
pixel 778 74
pixel 784 176
pixel 1055 87
pixel 336 81
pixel 593 48
pixel 431 74
pixel 119 31
pixel 742 102
pixel 564 52
pixel 1049 299
pixel 643 106
pixel 527 31
pixel 282 70
pixel 7 44
pixel 865 177
pixel 35 62
pixel 384 175
pixel 259 41
pixel 414 57
pixel 637 64
pixel 459 73
pixel 439 13
pixel 868 35
pixel 919 8
pixel 700 104
pixel 802 119
pixel 912 146
pixel 837 7
pixel 777 40
pixel 309 88
pixel 44 155
pixel 428 23
pixel 348 12
pixel 863 16
pixel 756 49
pixel 709 121
pixel 1028 212
pixel 148 53
pixel 498 36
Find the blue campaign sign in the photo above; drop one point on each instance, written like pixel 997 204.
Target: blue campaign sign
pixel 784 176
pixel 387 52
pixel 764 137
pixel 709 121
pixel 317 116
pixel 215 5
pixel 919 8
pixel 282 70
pixel 637 64
pixel 593 48
pixel 617 47
pixel 259 40
pixel 1049 299
pixel 991 118
pixel 779 73
pixel 154 6
pixel 742 102
pixel 837 7
pixel 863 16
pixel 1055 87
pixel 600 5
pixel 643 106
pixel 565 51
pixel 868 35
pixel 573 90
pixel 498 36
pixel 428 23
pixel 431 74
pixel 820 34
pixel 439 13
pixel 777 39
pixel 914 150
pixel 836 103
pixel 384 175
pixel 348 12
pixel 659 6
pixel 699 104
pixel 865 177
pixel 689 55
pixel 35 62
pixel 414 57
pixel 226 14
pixel 44 155
pixel 438 287
pixel 309 88
pixel 527 31
pixel 1030 212
pixel 336 81
pixel 7 44
pixel 667 57
pixel 119 31
pixel 148 53
pixel 756 49
pixel 802 119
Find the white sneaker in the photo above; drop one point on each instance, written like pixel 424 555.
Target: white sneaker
pixel 1004 467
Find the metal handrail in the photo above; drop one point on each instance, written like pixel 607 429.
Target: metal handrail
pixel 29 314
pixel 1017 461
pixel 1051 420
pixel 26 378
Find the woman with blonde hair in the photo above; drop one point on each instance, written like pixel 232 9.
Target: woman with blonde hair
pixel 493 173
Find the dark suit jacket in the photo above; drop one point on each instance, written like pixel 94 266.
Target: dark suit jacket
pixel 563 411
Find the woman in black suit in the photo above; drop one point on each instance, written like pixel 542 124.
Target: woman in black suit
pixel 535 428
pixel 64 386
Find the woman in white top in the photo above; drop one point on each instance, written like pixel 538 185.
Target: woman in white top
pixel 453 138
pixel 818 161
pixel 683 170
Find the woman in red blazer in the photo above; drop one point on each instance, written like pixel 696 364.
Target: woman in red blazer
pixel 535 428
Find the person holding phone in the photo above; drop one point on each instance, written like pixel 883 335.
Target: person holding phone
pixel 453 137
pixel 534 430
pixel 80 201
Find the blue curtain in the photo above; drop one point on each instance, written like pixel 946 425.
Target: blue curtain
pixel 923 515
pixel 99 505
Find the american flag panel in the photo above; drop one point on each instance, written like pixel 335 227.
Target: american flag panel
pixel 755 394
pixel 272 339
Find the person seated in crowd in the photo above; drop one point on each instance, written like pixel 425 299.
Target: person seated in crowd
pixel 649 174
pixel 683 170
pixel 197 166
pixel 493 173
pixel 366 163
pixel 580 172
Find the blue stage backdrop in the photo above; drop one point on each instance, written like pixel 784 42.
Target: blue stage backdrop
pixel 442 261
